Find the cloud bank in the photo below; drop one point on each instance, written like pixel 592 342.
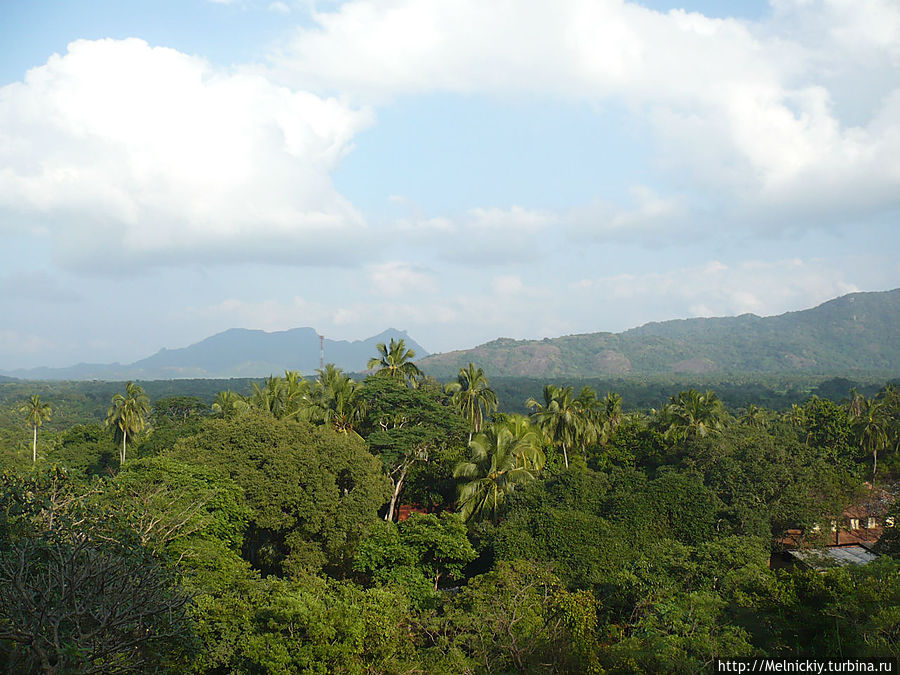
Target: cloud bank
pixel 125 153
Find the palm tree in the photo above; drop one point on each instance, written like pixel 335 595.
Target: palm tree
pixel 870 429
pixel 285 397
pixel 472 396
pixel 692 414
pixel 128 413
pixel 229 404
pixel 500 463
pixel 395 361
pixel 36 413
pixel 559 416
pixel 337 399
pixel 756 416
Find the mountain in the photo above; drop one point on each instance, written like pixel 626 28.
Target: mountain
pixel 237 352
pixel 855 333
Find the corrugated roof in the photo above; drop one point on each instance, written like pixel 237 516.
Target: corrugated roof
pixel 833 556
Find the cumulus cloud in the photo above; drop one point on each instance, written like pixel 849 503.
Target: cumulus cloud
pixel 126 153
pixel 756 115
pixel 483 235
pixel 718 289
pixel 400 278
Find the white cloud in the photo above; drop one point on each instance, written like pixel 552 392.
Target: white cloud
pixel 483 235
pixel 269 315
pixel 128 153
pixel 717 289
pixel 507 284
pixel 280 8
pixel 750 114
pixel 399 278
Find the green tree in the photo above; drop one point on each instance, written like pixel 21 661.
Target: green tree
pixel 416 554
pixel 472 396
pixel 128 414
pixel 559 416
pixel 229 404
pixel 395 361
pixel 691 414
pixel 285 397
pixel 408 428
pixel 36 413
pixel 312 492
pixel 499 463
pixel 870 431
pixel 337 399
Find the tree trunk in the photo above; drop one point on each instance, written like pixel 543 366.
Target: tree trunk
pixel 34 447
pixel 397 487
pixel 124 439
pixel 565 455
pixel 874 465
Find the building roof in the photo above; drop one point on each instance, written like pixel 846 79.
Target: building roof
pixel 833 556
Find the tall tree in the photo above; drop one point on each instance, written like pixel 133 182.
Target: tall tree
pixel 36 413
pixel 407 427
pixel 691 414
pixel 229 404
pixel 473 396
pixel 128 414
pixel 337 399
pixel 559 416
pixel 870 430
pixel 285 397
pixel 395 361
pixel 499 462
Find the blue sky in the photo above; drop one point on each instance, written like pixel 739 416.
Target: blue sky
pixel 458 168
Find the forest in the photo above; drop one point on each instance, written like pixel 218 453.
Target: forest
pixel 393 523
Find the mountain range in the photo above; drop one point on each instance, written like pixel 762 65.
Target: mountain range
pixel 856 333
pixel 237 352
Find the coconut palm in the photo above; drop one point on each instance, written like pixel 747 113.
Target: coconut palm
pixel 229 404
pixel 395 361
pixel 756 416
pixel 691 414
pixel 337 399
pixel 499 464
pixel 472 396
pixel 36 413
pixel 870 429
pixel 285 397
pixel 128 414
pixel 612 415
pixel 559 416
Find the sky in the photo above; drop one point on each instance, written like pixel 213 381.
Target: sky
pixel 460 169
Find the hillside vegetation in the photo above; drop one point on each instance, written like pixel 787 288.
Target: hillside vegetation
pixel 856 333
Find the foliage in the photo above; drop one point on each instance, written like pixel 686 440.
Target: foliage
pixel 68 580
pixel 313 492
pixel 128 414
pixel 36 412
pixel 416 555
pixel 472 396
pixel 500 461
pixel 395 361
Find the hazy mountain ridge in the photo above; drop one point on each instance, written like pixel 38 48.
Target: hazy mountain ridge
pixel 859 332
pixel 237 352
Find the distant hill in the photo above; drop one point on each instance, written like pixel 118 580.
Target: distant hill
pixel 237 352
pixel 856 333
